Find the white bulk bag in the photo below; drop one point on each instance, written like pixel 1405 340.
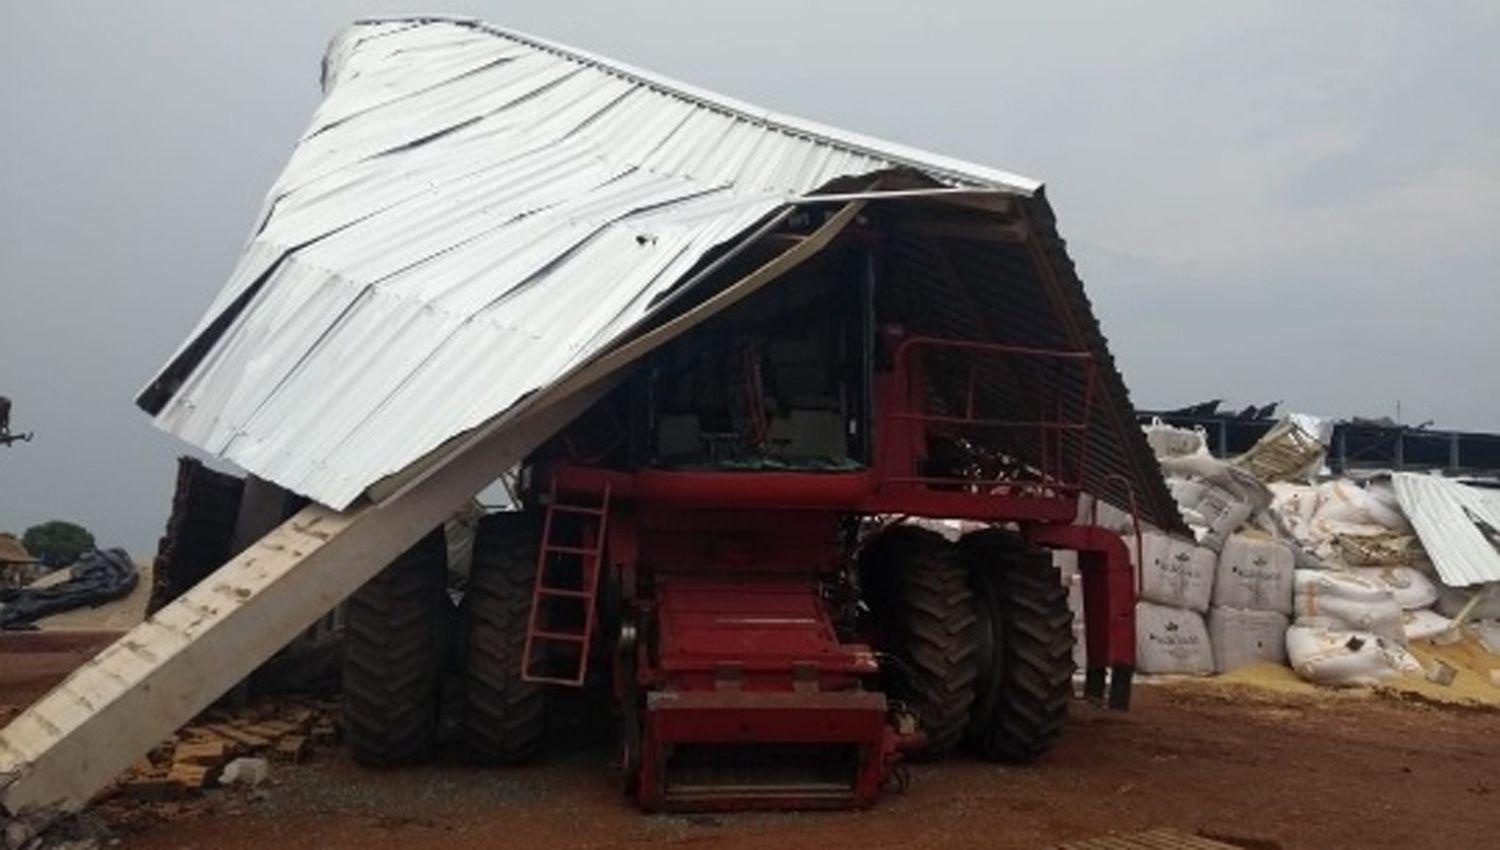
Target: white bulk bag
pixel 1423 624
pixel 1094 511
pixel 1411 588
pixel 1221 513
pixel 1066 562
pixel 1339 657
pixel 1343 501
pixel 1170 441
pixel 1241 637
pixel 1228 498
pixel 1187 492
pixel 1175 572
pixel 1254 573
pixel 1345 601
pixel 1296 504
pixel 1171 640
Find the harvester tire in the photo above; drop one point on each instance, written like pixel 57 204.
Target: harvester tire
pixel 923 614
pixel 504 717
pixel 396 630
pixel 1026 658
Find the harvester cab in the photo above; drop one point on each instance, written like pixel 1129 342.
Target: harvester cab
pixel 807 539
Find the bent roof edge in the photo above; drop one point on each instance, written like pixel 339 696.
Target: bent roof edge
pixel 938 164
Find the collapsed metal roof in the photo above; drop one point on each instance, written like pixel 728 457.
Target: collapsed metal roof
pixel 473 213
pixel 1459 526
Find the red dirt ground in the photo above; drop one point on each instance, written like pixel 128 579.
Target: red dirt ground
pixel 1255 769
pixel 32 662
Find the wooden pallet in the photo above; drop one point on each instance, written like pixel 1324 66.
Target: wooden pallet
pixel 1155 839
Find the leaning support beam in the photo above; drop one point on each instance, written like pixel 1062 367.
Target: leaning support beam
pixel 73 742
pixel 61 751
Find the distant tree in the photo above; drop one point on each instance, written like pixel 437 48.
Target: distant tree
pixel 57 542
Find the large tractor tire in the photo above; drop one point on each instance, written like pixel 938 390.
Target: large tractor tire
pixel 396 632
pixel 922 611
pixel 1026 640
pixel 504 717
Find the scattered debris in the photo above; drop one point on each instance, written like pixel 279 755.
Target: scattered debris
pixel 1441 673
pixel 99 576
pixel 232 747
pixel 249 772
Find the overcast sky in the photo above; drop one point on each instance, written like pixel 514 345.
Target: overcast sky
pixel 1269 202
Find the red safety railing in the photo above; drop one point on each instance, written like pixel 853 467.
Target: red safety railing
pixel 1052 470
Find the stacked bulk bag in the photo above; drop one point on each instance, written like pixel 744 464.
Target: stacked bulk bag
pixel 1097 512
pixel 1214 498
pixel 1171 441
pixel 1066 562
pixel 1423 624
pixel 1343 524
pixel 1410 587
pixel 1176 583
pixel 1252 601
pixel 1171 640
pixel 1342 600
pixel 1329 656
pixel 1241 637
pixel 1349 630
pixel 1359 530
pixel 1176 572
pixel 1254 573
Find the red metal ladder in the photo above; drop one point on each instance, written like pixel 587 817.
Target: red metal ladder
pixel 590 557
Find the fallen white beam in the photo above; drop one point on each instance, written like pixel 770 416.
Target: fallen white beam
pixel 83 734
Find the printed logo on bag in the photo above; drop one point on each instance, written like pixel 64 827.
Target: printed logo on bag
pixel 1270 574
pixel 1180 565
pixel 1177 643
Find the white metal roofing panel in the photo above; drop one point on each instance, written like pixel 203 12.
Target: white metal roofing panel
pixel 470 213
pixel 1450 518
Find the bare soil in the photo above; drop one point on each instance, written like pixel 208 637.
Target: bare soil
pixel 32 662
pixel 1256 768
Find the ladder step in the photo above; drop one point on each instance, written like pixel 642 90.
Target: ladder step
pixel 558 636
pixel 572 550
pixel 564 592
pixel 578 509
pixel 551 680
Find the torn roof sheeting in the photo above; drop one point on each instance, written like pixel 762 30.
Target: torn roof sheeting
pixel 457 228
pixel 1459 526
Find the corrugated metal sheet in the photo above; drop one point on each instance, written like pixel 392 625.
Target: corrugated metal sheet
pixel 474 212
pixel 1447 517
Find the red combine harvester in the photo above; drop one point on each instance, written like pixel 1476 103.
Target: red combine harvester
pixel 733 542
